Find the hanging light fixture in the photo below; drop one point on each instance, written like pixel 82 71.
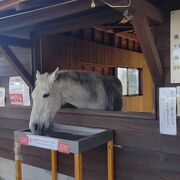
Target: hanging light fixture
pixel 93 4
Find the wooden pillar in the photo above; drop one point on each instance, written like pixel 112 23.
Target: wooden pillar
pixel 110 157
pixel 54 164
pixel 78 166
pixel 18 170
pixel 148 45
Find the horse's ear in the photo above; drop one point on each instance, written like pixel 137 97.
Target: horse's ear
pixel 37 74
pixel 54 75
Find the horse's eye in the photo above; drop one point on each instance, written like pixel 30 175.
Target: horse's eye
pixel 45 95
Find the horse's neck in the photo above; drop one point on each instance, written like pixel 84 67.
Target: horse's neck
pixel 75 95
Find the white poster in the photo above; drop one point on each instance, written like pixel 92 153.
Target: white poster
pixel 167 111
pixel 175 46
pixel 2 97
pixel 18 91
pixel 43 142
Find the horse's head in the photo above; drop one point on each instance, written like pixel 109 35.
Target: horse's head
pixel 46 102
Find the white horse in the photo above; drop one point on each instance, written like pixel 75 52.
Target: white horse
pixel 82 89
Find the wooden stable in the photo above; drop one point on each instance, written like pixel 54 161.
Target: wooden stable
pixel 80 37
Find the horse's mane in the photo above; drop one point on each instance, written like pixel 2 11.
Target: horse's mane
pixel 80 76
pixel 113 88
pixel 89 80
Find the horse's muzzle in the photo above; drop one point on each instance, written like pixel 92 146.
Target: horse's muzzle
pixel 39 129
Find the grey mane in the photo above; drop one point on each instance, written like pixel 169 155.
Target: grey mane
pixel 89 80
pixel 82 77
pixel 113 88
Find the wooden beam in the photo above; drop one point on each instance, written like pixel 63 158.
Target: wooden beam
pixel 9 4
pixel 145 8
pixel 127 34
pixel 14 41
pixel 12 59
pixel 114 26
pixel 46 14
pixel 148 46
pixel 100 16
pixel 107 30
pixel 36 4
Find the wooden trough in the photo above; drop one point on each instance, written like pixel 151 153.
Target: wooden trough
pixel 66 139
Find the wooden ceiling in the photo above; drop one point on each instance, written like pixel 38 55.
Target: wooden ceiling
pixel 14 6
pixel 10 9
pixel 51 16
pixel 30 13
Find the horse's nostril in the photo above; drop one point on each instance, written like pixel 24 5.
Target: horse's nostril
pixel 43 127
pixel 35 126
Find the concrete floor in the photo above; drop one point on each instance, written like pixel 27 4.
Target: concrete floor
pixel 7 172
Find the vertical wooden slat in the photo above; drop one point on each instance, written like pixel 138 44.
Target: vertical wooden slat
pixel 110 154
pixel 78 166
pixel 18 170
pixel 54 164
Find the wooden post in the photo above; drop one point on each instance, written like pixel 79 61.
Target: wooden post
pixel 54 164
pixel 148 45
pixel 18 170
pixel 110 157
pixel 78 166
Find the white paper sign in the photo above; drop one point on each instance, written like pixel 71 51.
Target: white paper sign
pixel 18 91
pixel 2 97
pixel 175 46
pixel 167 111
pixel 43 142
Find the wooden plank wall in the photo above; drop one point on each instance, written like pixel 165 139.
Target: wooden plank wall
pixel 144 154
pixel 103 35
pixel 6 70
pixel 73 53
